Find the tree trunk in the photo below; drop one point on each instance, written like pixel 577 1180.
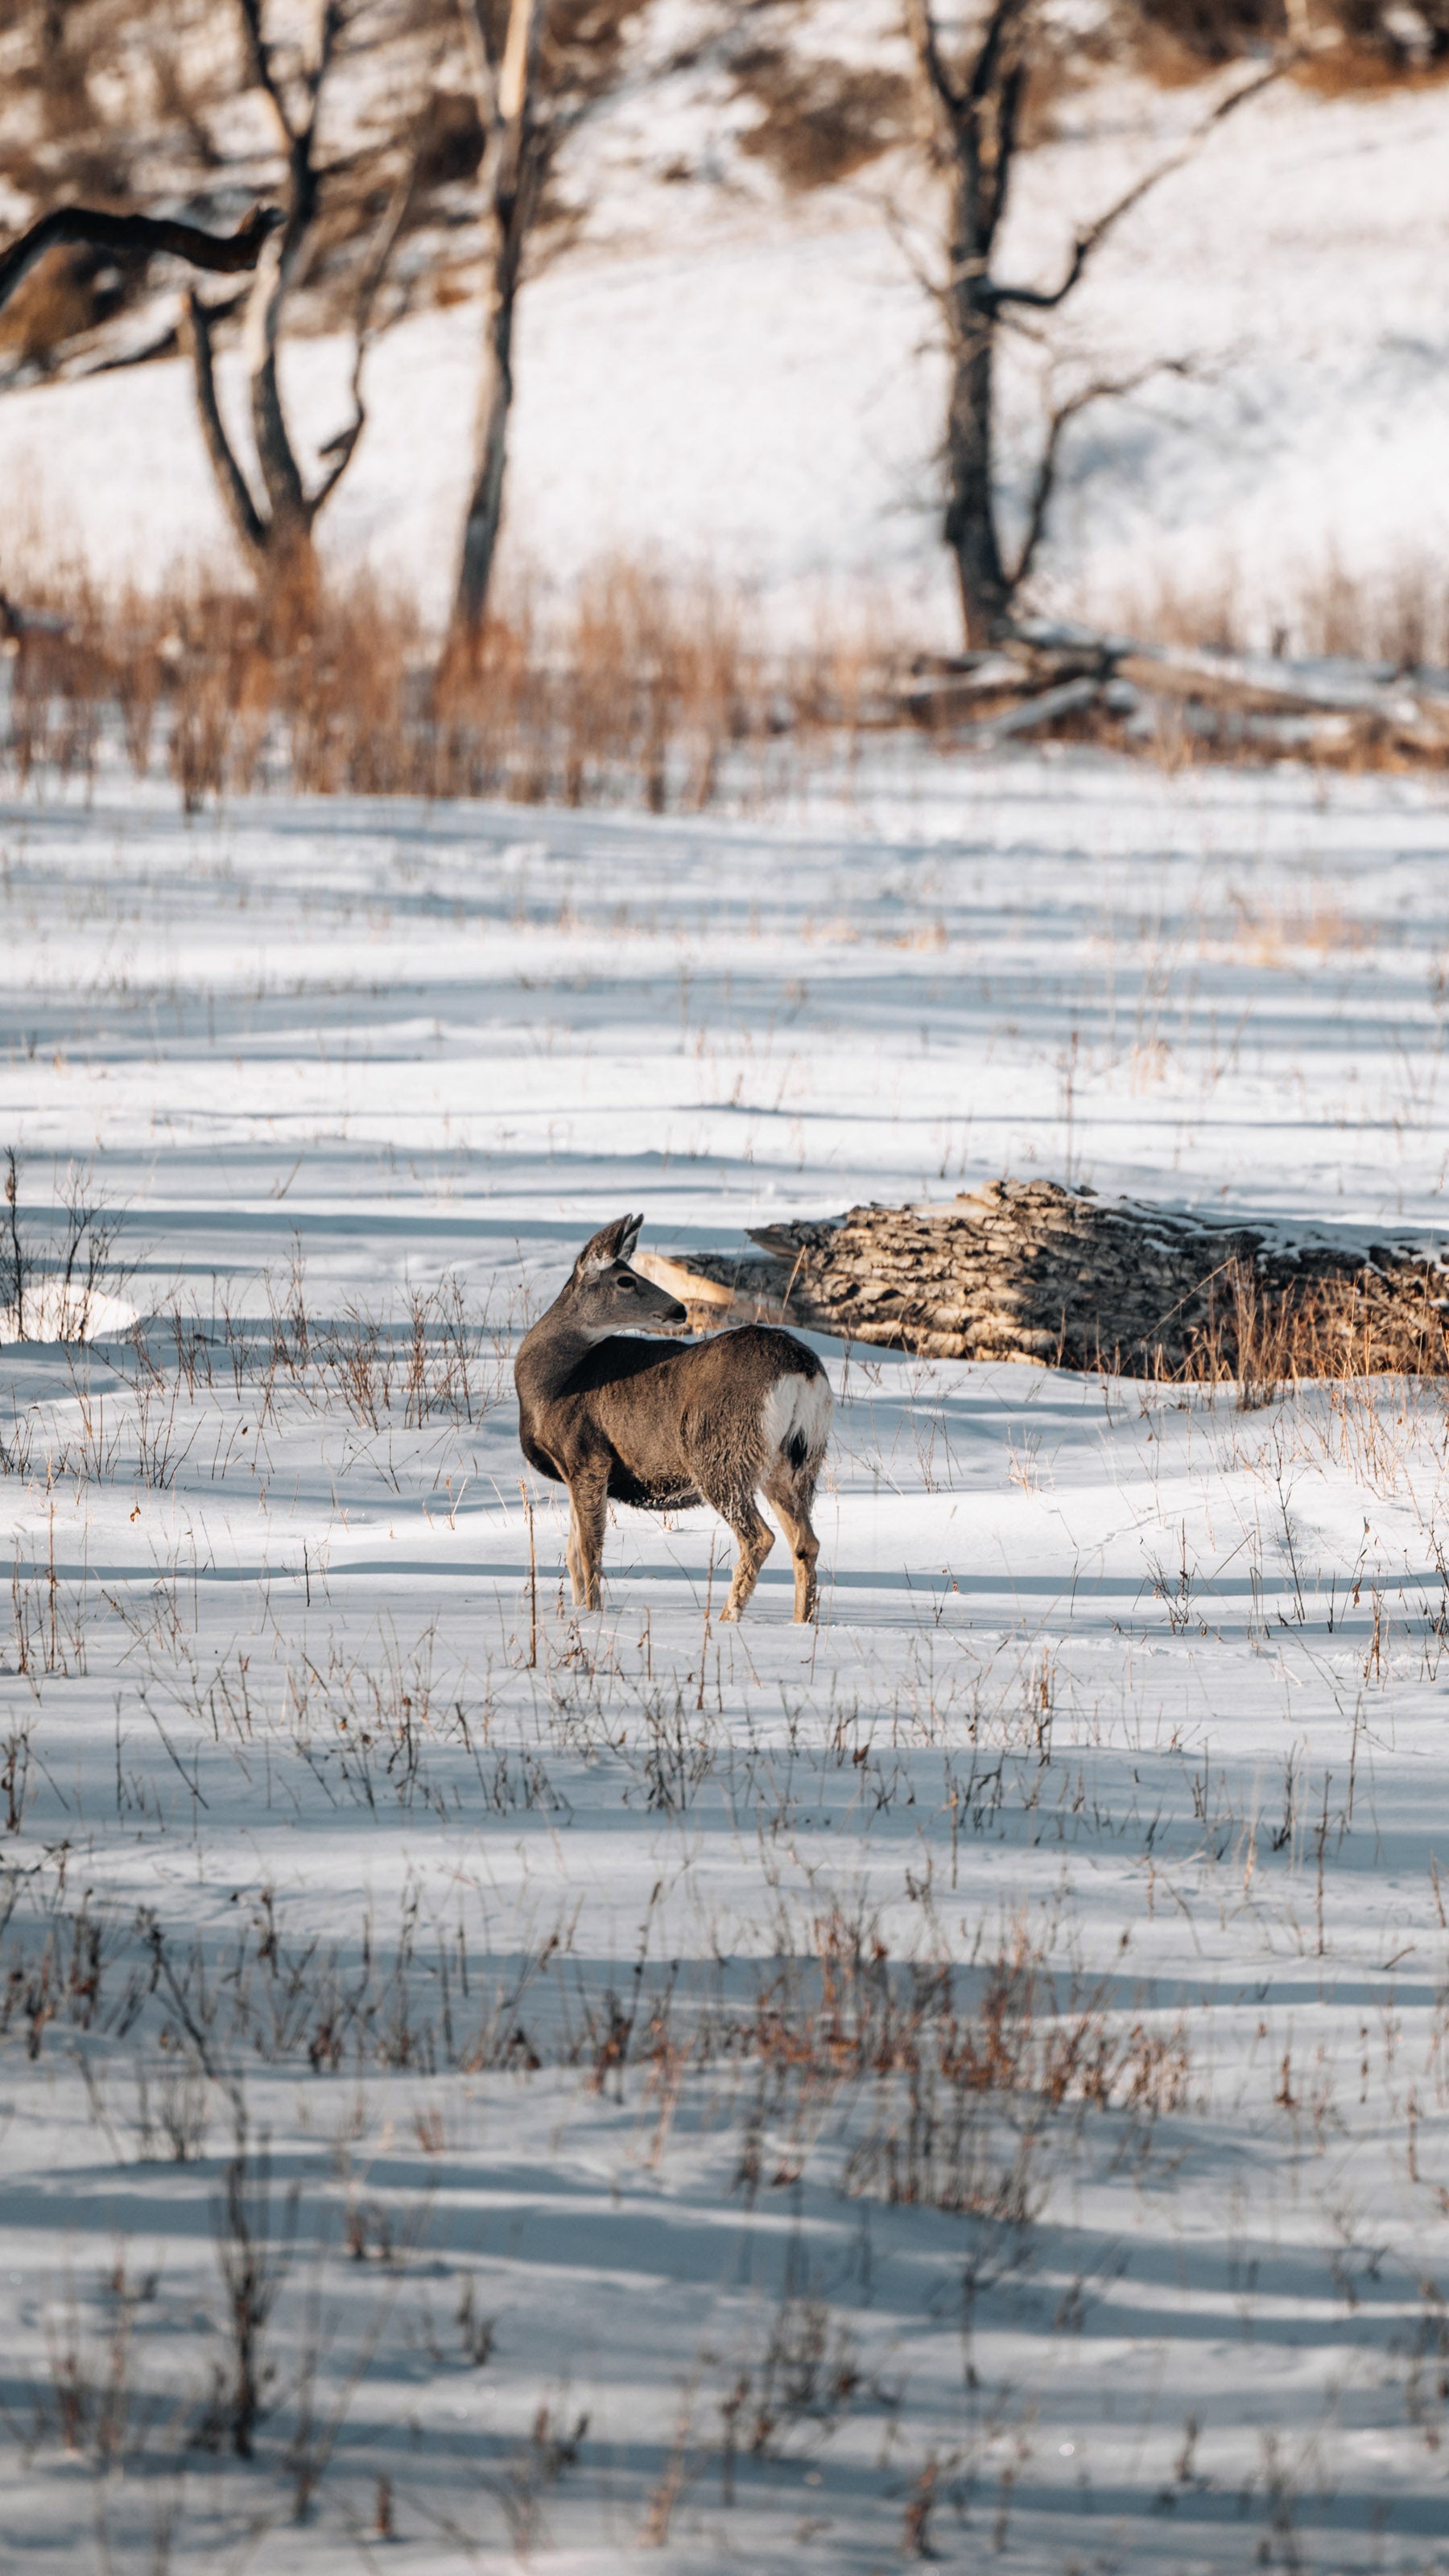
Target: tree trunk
pixel 490 447
pixel 976 114
pixel 971 520
pixel 289 563
pixel 970 526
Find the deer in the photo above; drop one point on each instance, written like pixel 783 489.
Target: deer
pixel 619 1414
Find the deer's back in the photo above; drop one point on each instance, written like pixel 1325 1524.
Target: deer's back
pixel 659 1411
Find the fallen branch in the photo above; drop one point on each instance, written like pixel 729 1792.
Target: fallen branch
pixel 142 236
pixel 1040 674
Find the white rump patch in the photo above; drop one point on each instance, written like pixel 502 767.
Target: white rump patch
pixel 797 1408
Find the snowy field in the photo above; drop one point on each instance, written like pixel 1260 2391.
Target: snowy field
pixel 969 2079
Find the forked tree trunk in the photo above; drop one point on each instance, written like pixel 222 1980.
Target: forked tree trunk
pixel 274 523
pixel 275 533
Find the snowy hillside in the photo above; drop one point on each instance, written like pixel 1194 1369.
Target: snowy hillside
pixel 720 372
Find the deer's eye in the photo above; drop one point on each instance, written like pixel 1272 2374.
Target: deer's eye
pixel 627 1285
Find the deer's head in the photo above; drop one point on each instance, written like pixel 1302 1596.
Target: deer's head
pixel 606 1296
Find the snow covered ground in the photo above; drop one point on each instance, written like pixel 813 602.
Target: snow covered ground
pixel 967 2078
pixel 721 378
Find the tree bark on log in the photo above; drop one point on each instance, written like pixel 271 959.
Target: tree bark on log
pixel 1033 1272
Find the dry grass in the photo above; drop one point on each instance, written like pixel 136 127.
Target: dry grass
pixel 1265 1331
pixel 957 2089
pixel 639 689
pixel 1398 615
pixel 1372 55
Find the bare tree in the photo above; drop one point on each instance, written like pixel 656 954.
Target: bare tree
pixel 142 236
pixel 517 141
pixel 537 68
pixel 975 106
pixel 275 526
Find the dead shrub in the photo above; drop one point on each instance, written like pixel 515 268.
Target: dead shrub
pixel 1349 45
pixel 821 119
pixel 92 2397
pixel 254 2247
pixel 58 300
pixel 1201 32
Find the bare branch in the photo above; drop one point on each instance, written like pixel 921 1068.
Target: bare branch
pixel 518 76
pixel 999 113
pixel 994 299
pixel 328 32
pixel 145 234
pixel 1005 22
pixel 936 289
pixel 517 145
pixel 268 80
pixel 921 28
pixel 243 511
pixel 480 61
pixel 339 448
pixel 1101 389
pixel 264 76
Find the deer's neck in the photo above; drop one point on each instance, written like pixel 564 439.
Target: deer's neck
pixel 549 1357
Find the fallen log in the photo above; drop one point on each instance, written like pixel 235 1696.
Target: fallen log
pixel 1040 676
pixel 1029 1271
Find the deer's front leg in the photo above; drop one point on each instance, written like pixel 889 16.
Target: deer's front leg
pixel 588 1507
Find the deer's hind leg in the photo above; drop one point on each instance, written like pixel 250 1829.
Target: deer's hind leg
pixel 588 1510
pixel 791 1491
pixel 754 1539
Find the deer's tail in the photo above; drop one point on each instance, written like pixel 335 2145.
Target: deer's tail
pixel 795 1420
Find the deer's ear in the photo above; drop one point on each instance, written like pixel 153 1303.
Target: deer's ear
pixel 612 1243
